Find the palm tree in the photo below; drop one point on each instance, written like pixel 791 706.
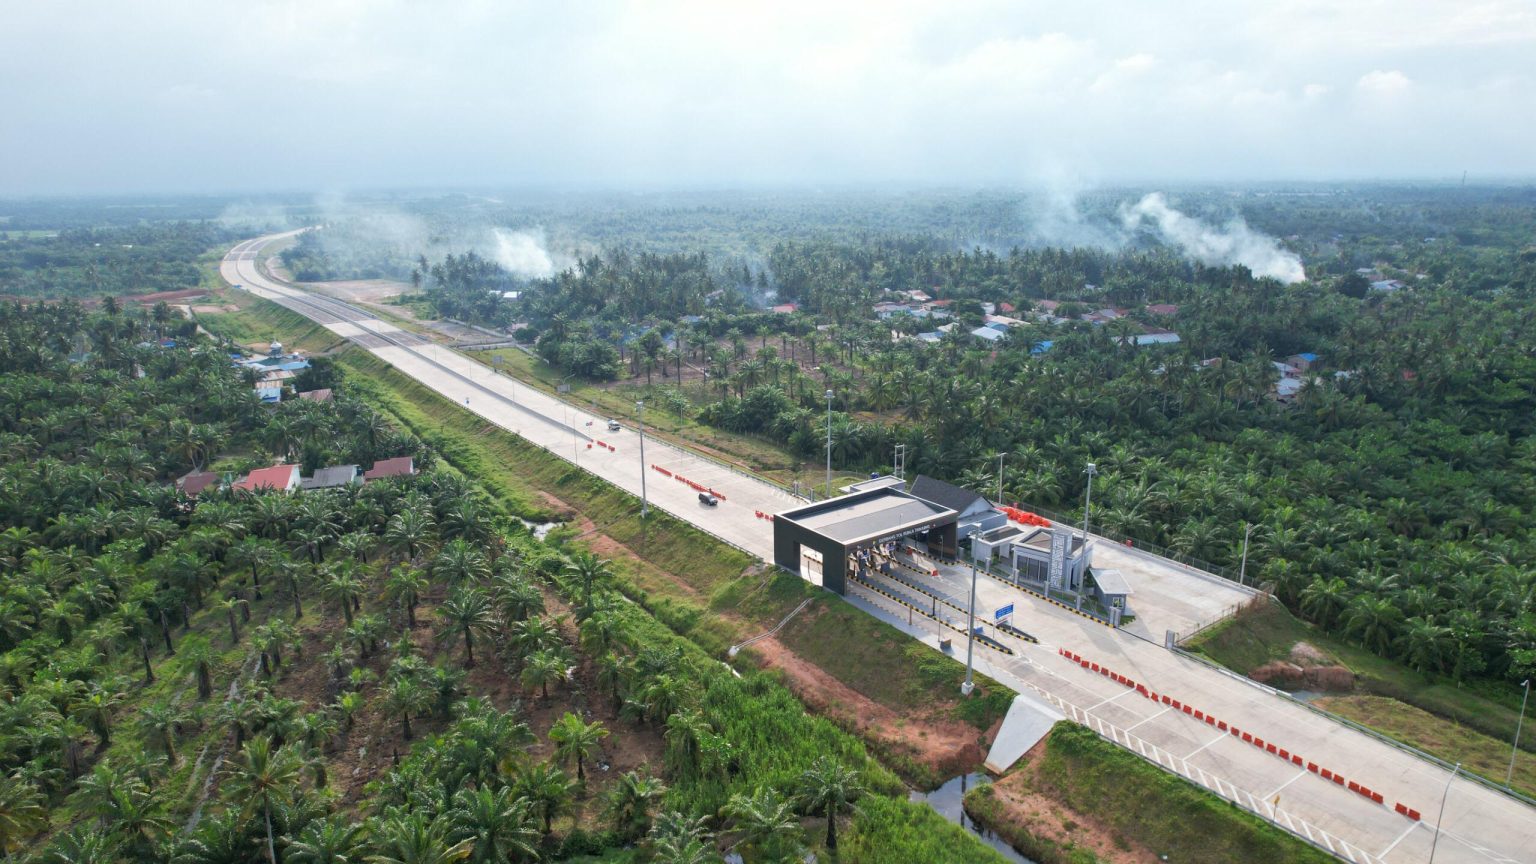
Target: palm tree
pixel 576 740
pixel 407 698
pixel 327 841
pixel 404 587
pixel 501 825
pixel 541 668
pixel 630 801
pixel 409 529
pixel 459 562
pixel 264 777
pixel 160 724
pixel 677 838
pixel 411 838
pixel 767 823
pixel 344 589
pixel 467 611
pixel 686 732
pixel 21 814
pixel 95 711
pixel 829 788
pixel 1324 599
pixel 547 788
pixel 584 569
pixel 517 596
pixel 1425 644
pixel 1374 620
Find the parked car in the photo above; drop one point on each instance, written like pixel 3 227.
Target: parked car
pixel 707 499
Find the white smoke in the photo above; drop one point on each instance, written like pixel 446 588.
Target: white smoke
pixel 1235 243
pixel 526 254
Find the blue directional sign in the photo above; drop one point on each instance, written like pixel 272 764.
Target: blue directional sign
pixel 1003 612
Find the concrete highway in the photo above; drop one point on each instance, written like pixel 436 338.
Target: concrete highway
pixel 1480 825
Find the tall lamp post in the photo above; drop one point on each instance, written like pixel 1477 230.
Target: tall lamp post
pixel 1441 818
pixel 645 507
pixel 830 394
pixel 970 637
pixel 1242 571
pixel 1515 747
pixel 999 501
pixel 1092 471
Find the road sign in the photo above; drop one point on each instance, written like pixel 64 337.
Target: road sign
pixel 1003 613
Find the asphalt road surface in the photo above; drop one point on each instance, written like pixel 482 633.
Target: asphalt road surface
pixel 1480 825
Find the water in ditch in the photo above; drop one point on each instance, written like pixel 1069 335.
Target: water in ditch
pixel 946 801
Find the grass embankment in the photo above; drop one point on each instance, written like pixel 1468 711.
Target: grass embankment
pixel 1137 804
pixel 259 321
pixel 1470 724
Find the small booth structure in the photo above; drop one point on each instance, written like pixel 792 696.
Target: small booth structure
pixel 1038 557
pixel 1110 588
pixel 975 514
pixel 818 539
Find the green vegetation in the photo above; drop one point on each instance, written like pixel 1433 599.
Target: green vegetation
pixel 216 663
pixel 110 261
pixel 1139 802
pixel 247 327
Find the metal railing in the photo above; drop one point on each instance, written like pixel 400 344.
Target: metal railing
pixel 1295 825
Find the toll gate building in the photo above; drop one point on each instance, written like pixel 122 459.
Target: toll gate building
pixel 820 541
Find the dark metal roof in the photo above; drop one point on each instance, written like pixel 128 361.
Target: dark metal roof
pixel 870 515
pixel 945 494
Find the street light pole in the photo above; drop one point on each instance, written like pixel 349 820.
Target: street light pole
pixel 1515 747
pixel 1092 471
pixel 1441 818
pixel 645 508
pixel 999 501
pixel 970 637
pixel 829 443
pixel 1242 571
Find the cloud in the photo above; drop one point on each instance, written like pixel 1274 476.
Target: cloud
pixel 1385 82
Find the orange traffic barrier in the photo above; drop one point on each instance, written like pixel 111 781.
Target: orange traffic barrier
pixel 1312 766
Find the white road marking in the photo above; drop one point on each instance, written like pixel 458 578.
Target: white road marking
pixel 1406 831
pixel 1150 719
pixel 1299 774
pixel 1112 698
pixel 1205 745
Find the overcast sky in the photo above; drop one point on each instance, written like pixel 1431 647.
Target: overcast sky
pixel 353 94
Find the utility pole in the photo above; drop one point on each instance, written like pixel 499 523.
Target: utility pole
pixel 1242 571
pixel 970 637
pixel 1092 471
pixel 1441 817
pixel 645 508
pixel 999 500
pixel 1515 747
pixel 829 443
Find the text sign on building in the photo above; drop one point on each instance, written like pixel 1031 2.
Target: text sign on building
pixel 1003 613
pixel 1060 539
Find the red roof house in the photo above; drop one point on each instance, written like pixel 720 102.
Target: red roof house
pixel 196 481
pixel 400 466
pixel 283 478
pixel 1163 309
pixel 321 395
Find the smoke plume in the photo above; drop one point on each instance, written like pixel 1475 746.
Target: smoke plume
pixel 525 254
pixel 1234 243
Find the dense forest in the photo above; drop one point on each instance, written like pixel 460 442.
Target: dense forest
pixel 108 261
pixel 393 672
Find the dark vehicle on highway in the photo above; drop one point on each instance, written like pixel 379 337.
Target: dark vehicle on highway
pixel 707 499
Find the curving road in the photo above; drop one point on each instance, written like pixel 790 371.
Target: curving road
pixel 1480 826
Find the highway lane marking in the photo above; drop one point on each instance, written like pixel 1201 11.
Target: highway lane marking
pixel 1205 745
pixel 1299 774
pixel 1150 719
pixel 1400 838
pixel 1111 699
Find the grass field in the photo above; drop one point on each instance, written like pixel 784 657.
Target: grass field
pixel 1469 724
pixel 259 321
pixel 1137 803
